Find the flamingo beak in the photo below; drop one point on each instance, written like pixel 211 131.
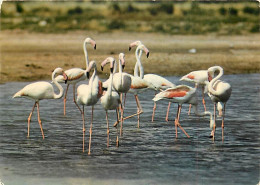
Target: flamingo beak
pixel 88 75
pixel 209 77
pixel 102 68
pixel 65 77
pixel 95 46
pixel 123 66
pixel 111 69
pixel 130 48
pixel 147 55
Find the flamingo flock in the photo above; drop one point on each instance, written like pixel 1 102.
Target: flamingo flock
pixel 110 93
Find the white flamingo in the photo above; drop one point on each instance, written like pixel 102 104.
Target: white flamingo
pixel 41 90
pixel 200 78
pixel 76 75
pixel 219 92
pixel 182 94
pixel 89 95
pixel 158 82
pixel 138 84
pixel 110 100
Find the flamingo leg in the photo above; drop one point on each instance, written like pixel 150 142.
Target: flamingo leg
pixel 189 109
pixel 223 122
pixel 65 99
pixel 139 108
pixel 74 99
pixel 178 123
pixel 214 126
pixel 154 108
pixel 167 113
pixel 29 119
pixel 203 98
pixel 39 119
pixel 117 116
pixel 107 129
pixel 83 128
pixel 122 114
pixel 90 130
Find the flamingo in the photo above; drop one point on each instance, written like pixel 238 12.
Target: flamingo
pixel 89 95
pixel 110 100
pixel 138 84
pixel 41 90
pixel 158 82
pixel 219 92
pixel 182 94
pixel 76 75
pixel 200 78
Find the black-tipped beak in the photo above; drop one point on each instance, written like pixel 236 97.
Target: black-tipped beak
pixel 88 75
pixel 65 77
pixel 130 48
pixel 111 69
pixel 66 81
pixel 95 47
pixel 123 66
pixel 147 55
pixel 102 68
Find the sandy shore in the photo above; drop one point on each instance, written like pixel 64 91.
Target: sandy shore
pixel 32 56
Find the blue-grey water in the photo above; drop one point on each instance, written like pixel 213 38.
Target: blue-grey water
pixel 149 155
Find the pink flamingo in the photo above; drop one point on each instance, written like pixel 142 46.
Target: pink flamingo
pixel 76 75
pixel 89 95
pixel 110 100
pixel 200 78
pixel 182 94
pixel 138 84
pixel 219 92
pixel 158 82
pixel 41 90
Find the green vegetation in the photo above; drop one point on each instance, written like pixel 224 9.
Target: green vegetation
pixel 168 17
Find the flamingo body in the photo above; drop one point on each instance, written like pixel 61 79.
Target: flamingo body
pixel 158 82
pixel 199 77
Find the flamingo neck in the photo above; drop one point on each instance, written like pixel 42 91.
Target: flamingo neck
pixel 120 69
pixel 86 54
pixel 109 89
pixel 195 109
pixel 138 62
pixel 57 96
pixel 92 77
pixel 136 71
pixel 211 84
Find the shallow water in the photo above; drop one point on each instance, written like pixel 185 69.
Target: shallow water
pixel 149 155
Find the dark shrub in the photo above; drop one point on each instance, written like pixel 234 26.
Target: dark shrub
pixel 167 8
pixel 222 11
pixel 130 8
pixel 19 8
pixel 250 10
pixel 76 10
pixel 255 29
pixel 233 11
pixel 116 7
pixel 115 24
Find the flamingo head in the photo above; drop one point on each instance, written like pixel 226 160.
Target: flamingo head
pixel 88 40
pixel 112 63
pixel 122 59
pixel 135 43
pixel 142 47
pixel 92 65
pixel 59 71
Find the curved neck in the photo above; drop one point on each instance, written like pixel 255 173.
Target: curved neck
pixel 210 86
pixel 138 62
pixel 57 96
pixel 120 69
pixel 109 89
pixel 93 77
pixel 86 54
pixel 195 109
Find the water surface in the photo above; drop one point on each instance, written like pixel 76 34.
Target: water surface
pixel 149 155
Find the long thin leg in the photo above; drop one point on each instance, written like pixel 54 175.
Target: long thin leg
pixel 122 114
pixel 223 122
pixel 39 119
pixel 167 113
pixel 90 130
pixel 178 123
pixel 124 100
pixel 29 119
pixel 214 126
pixel 83 128
pixel 107 129
pixel 117 139
pixel 74 99
pixel 65 99
pixel 154 108
pixel 139 107
pixel 203 98
pixel 189 109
